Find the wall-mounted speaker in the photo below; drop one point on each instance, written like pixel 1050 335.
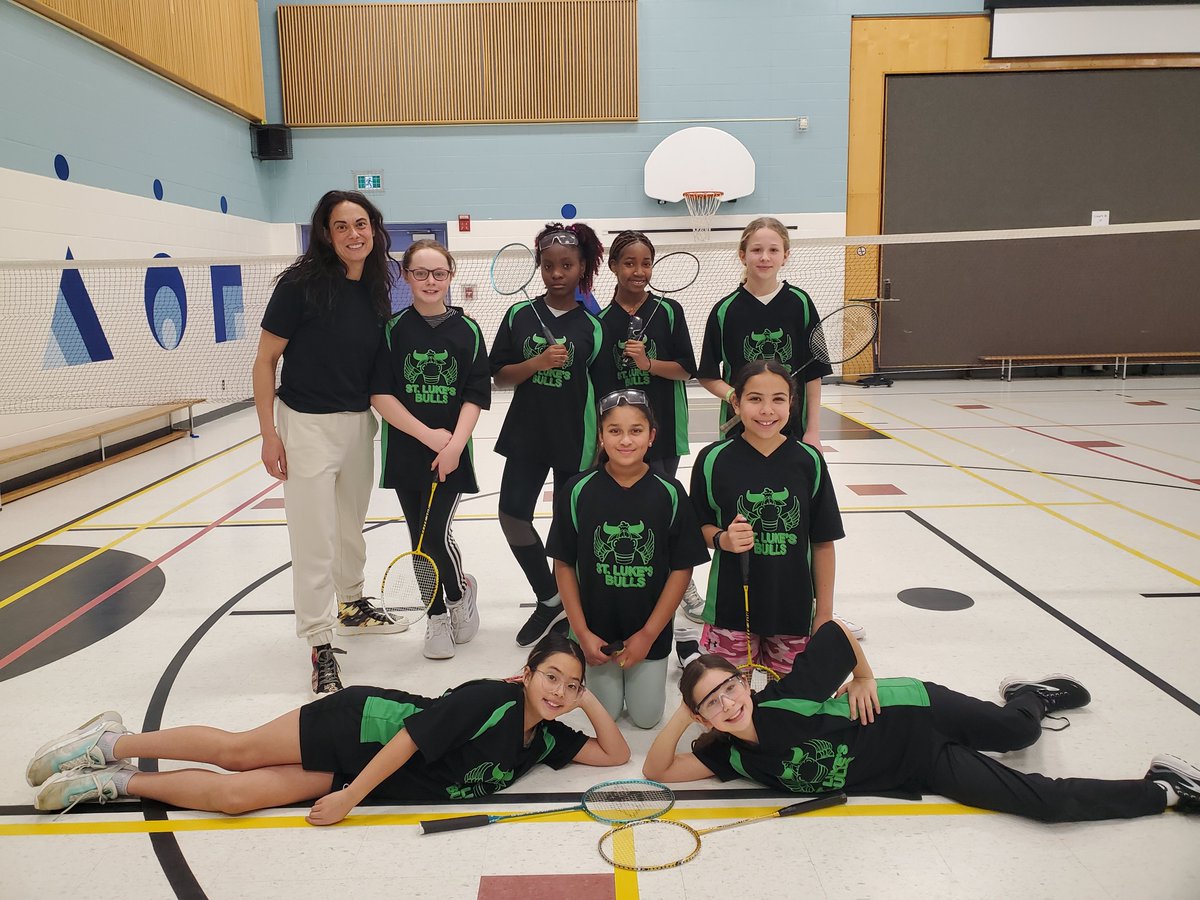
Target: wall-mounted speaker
pixel 270 142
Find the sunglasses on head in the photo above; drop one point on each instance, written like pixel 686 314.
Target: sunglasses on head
pixel 616 398
pixel 566 238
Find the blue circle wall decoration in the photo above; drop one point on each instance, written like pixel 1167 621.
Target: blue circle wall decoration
pixel 61 168
pixel 569 210
pixel 224 205
pixel 158 189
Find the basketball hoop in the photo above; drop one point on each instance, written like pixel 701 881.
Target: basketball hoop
pixel 702 206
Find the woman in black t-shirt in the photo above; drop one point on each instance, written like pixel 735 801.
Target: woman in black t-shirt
pixel 474 740
pixel 815 732
pixel 325 319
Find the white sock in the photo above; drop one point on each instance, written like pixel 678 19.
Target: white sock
pixel 120 781
pixel 1172 797
pixel 107 742
pixel 556 600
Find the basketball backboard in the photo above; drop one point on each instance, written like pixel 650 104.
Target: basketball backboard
pixel 699 159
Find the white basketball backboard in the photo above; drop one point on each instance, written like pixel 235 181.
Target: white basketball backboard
pixel 699 159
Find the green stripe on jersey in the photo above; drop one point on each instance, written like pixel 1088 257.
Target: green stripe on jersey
pixel 708 477
pixel 548 744
pixel 478 337
pixel 383 719
pixel 892 692
pixel 494 718
pixel 672 493
pixel 735 760
pixel 575 491
pixel 804 299
pixel 722 308
pixel 816 462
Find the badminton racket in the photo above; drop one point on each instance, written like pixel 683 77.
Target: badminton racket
pixel 411 580
pixel 655 844
pixel 672 273
pixel 513 267
pixel 759 676
pixel 610 802
pixel 840 336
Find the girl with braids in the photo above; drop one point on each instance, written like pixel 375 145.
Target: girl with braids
pixel 325 319
pixel 544 350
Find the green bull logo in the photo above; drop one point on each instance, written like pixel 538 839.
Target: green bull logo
pixel 774 516
pixel 769 344
pixel 535 345
pixel 816 766
pixel 631 376
pixel 485 778
pixel 430 376
pixel 623 553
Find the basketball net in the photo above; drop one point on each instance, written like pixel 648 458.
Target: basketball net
pixel 702 206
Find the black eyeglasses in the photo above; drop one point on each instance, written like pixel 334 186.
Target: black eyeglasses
pixel 616 398
pixel 422 274
pixel 566 238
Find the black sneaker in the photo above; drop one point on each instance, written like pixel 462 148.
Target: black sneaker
pixel 540 621
pixel 686 651
pixel 326 676
pixel 1182 776
pixel 1057 692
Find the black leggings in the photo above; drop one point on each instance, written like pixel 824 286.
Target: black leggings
pixel 439 541
pixel 966 725
pixel 520 487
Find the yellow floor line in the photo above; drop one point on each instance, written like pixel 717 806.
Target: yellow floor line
pixel 256 823
pixel 1190 579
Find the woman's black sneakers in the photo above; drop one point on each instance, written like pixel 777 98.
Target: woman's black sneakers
pixel 1057 692
pixel 1182 776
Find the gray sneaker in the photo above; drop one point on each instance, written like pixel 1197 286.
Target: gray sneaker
pixel 64 790
pixel 439 637
pixel 693 603
pixel 74 750
pixel 464 615
pixel 856 631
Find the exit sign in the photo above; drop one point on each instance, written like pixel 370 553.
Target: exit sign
pixel 368 181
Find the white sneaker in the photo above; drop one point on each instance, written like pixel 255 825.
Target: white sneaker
pixel 74 750
pixel 858 632
pixel 464 615
pixel 693 603
pixel 439 638
pixel 64 790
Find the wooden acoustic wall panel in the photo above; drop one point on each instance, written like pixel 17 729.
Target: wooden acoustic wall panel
pixel 459 63
pixel 210 47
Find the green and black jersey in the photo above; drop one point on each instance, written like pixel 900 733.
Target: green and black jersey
pixel 788 499
pixel 808 743
pixel 742 328
pixel 624 543
pixel 470 741
pixel 552 418
pixel 432 371
pixel 667 338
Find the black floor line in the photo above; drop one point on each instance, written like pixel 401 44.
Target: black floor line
pixel 262 612
pixel 1172 594
pixel 1130 663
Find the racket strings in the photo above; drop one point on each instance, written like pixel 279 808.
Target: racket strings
pixel 512 269
pixel 411 582
pixel 617 804
pixel 653 844
pixel 674 272
pixel 844 333
pixel 759 676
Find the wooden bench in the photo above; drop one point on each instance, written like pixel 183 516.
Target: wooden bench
pixel 97 433
pixel 1119 361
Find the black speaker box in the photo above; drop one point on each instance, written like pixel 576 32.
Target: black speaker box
pixel 270 142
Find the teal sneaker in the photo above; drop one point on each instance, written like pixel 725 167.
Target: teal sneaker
pixel 64 790
pixel 75 749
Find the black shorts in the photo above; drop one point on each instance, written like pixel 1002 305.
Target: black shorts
pixel 330 729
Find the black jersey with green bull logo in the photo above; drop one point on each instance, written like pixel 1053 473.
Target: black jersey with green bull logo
pixel 808 744
pixel 470 741
pixel 552 417
pixel 742 328
pixel 432 371
pixel 789 501
pixel 667 338
pixel 624 543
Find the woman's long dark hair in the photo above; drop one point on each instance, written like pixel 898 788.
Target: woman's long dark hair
pixel 706 662
pixel 319 268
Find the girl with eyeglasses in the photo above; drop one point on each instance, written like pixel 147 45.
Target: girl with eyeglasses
pixel 762 493
pixel 815 732
pixel 544 350
pixel 430 382
pixel 624 540
pixel 390 745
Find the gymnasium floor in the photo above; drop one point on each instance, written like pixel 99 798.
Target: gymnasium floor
pixel 1067 511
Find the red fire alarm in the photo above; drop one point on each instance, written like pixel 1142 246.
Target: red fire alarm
pixel 464 223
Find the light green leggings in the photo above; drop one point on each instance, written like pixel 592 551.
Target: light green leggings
pixel 642 690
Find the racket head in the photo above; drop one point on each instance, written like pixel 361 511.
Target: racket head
pixel 674 272
pixel 513 267
pixel 758 677
pixel 649 845
pixel 409 586
pixel 627 800
pixel 844 333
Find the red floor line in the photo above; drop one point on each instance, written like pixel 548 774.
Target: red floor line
pixel 128 580
pixel 1109 455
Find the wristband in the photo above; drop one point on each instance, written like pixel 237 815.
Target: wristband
pixel 729 395
pixel 716 541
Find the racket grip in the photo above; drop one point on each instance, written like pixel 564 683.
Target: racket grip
pixel 744 562
pixel 812 804
pixel 611 648
pixel 434 826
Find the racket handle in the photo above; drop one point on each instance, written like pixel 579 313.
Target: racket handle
pixel 744 561
pixel 611 648
pixel 434 826
pixel 812 804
